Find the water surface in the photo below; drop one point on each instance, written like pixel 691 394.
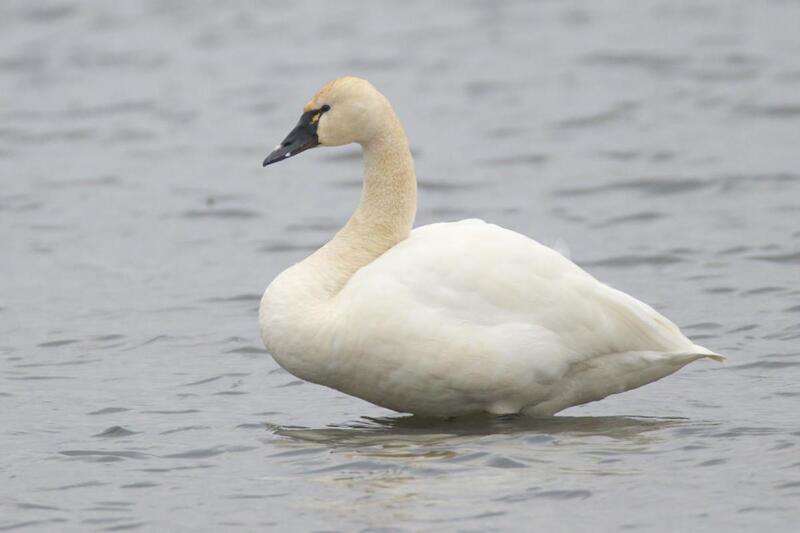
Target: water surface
pixel 656 143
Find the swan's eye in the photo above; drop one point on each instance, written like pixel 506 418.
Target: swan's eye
pixel 315 118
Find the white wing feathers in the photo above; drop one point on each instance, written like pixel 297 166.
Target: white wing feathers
pixel 467 300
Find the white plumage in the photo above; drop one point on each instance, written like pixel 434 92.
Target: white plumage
pixel 453 318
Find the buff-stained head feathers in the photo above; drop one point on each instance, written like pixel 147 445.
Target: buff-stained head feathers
pixel 345 110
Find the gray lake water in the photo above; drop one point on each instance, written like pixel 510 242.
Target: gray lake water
pixel 655 142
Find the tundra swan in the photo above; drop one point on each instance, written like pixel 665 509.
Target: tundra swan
pixel 451 318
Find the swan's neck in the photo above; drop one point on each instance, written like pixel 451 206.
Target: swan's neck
pixel 385 212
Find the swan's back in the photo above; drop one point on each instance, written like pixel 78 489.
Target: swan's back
pixel 487 309
pixel 488 275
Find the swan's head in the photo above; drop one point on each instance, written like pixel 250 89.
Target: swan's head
pixel 346 110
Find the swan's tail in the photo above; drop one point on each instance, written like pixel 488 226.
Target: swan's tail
pixel 705 352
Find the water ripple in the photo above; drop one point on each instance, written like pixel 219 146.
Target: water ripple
pixel 633 261
pixel 657 186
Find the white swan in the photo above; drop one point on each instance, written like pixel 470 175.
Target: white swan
pixel 452 318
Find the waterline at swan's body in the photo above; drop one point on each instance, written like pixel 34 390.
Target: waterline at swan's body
pixel 452 318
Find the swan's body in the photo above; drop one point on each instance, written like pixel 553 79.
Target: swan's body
pixel 451 318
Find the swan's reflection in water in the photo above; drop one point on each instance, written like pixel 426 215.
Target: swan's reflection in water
pixel 413 436
pixel 387 463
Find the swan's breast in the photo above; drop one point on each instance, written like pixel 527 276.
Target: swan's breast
pixel 294 324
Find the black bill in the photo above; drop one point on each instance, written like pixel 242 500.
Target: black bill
pixel 300 139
